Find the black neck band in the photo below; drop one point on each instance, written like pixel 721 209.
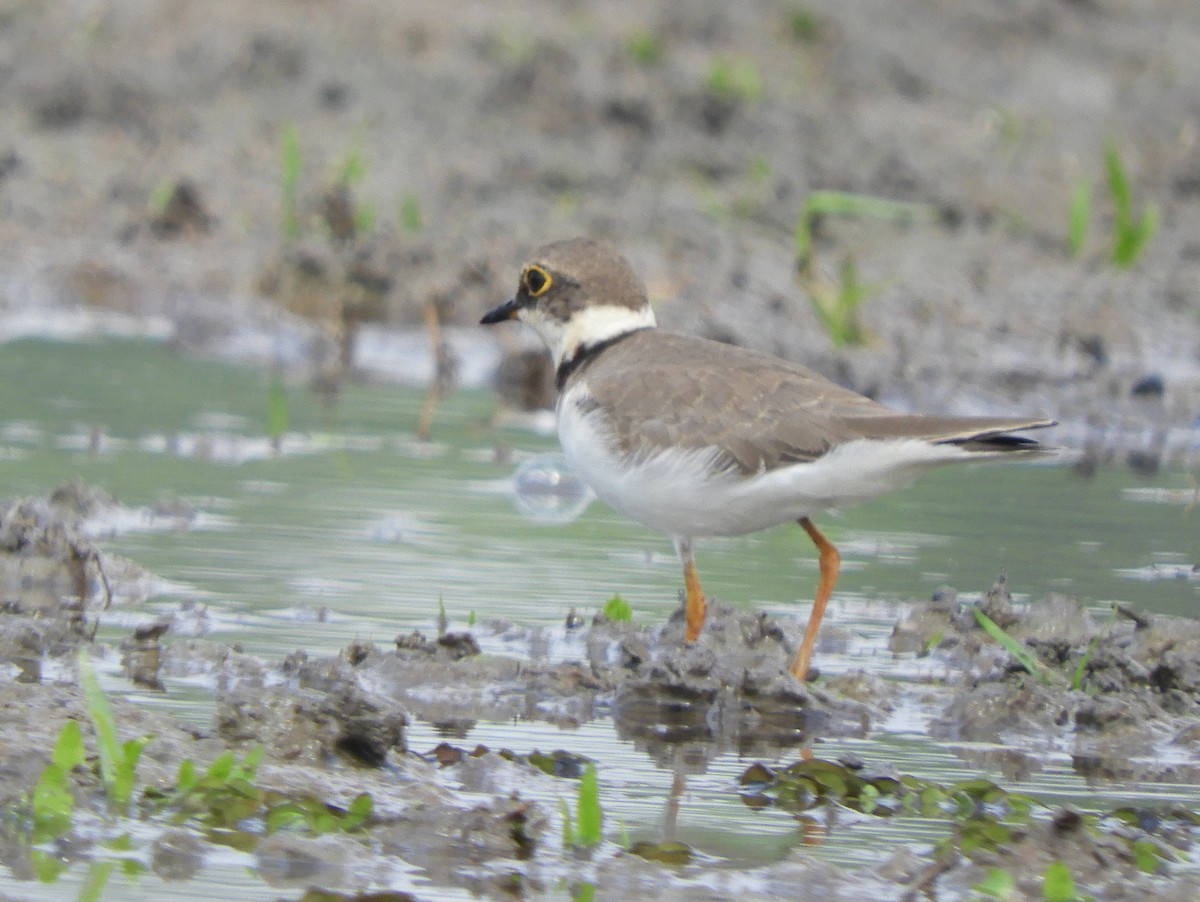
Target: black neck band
pixel 584 354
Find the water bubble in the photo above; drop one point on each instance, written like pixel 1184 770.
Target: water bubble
pixel 546 491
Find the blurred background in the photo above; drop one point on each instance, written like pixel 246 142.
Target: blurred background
pixel 966 206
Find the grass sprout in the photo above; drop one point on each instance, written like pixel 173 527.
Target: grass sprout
pixel 1130 234
pixel 1024 657
pixel 118 761
pixel 289 181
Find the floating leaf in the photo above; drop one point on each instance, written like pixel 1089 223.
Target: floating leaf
pixel 997 883
pixel 1057 883
pixel 666 852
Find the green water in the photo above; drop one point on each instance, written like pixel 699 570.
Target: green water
pixel 358 532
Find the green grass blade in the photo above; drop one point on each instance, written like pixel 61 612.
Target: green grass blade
pixel 1081 213
pixel 1118 185
pixel 590 816
pixel 1011 645
pixel 68 750
pixel 97 878
pixel 568 826
pixel 1129 242
pixel 107 745
pixel 844 203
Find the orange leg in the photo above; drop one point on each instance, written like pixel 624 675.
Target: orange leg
pixel 697 605
pixel 829 562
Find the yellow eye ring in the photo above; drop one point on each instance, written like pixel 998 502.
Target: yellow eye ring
pixel 537 280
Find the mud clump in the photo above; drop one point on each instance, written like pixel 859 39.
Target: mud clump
pixel 51 575
pixel 1117 688
pixel 318 710
pixel 729 689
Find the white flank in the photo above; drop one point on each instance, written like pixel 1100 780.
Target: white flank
pixel 680 494
pixel 588 326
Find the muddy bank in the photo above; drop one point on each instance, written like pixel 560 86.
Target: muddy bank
pixel 489 820
pixel 141 174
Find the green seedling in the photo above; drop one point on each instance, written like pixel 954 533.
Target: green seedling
pixel 1058 885
pixel 1082 663
pixel 1024 657
pixel 837 305
pixel 315 816
pixel 118 761
pixel 52 801
pixel 96 880
pixel 617 608
pixel 734 80
pixel 1081 212
pixel 846 204
pixel 410 214
pixel 160 196
pixel 290 159
pixel 1129 237
pixel 644 48
pixel 997 884
pixel 803 25
pixel 1147 855
pixel 586 830
pixel 225 796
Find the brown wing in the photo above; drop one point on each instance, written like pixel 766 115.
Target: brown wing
pixel 762 412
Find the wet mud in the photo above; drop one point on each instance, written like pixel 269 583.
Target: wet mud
pixel 1115 692
pixel 142 188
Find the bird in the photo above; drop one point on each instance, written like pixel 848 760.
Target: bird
pixel 696 438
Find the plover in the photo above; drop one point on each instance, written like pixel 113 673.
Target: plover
pixel 695 438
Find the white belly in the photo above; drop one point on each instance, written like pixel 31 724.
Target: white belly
pixel 679 493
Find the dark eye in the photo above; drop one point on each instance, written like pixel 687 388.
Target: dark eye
pixel 537 281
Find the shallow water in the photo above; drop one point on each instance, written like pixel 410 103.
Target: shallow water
pixel 356 532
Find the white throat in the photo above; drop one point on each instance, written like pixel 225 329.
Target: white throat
pixel 590 326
